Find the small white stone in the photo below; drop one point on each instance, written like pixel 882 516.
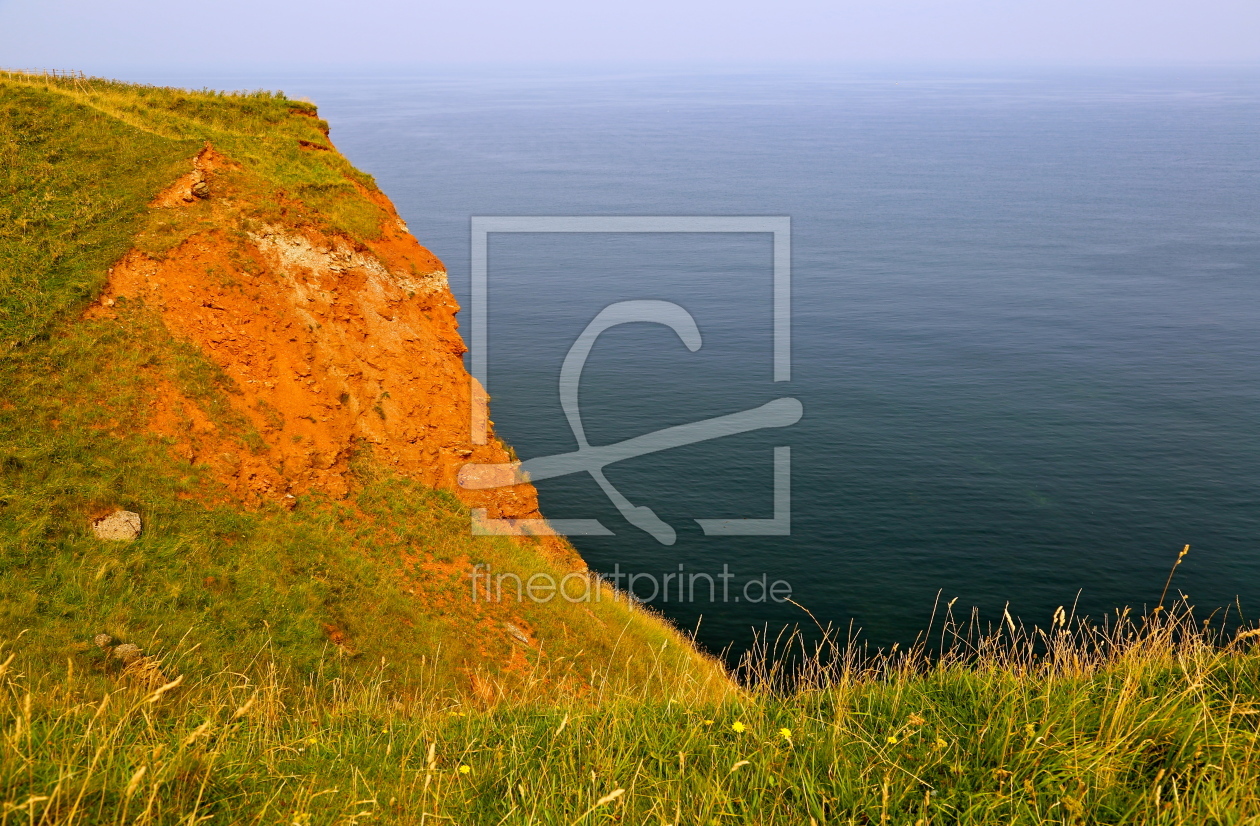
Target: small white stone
pixel 119 526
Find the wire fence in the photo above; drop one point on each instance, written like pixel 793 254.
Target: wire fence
pixel 69 74
pixel 76 76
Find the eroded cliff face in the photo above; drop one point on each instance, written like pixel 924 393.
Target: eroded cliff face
pixel 333 344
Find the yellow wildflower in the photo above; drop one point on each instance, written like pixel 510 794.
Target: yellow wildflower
pixel 892 739
pixel 785 733
pixel 464 769
pixel 738 727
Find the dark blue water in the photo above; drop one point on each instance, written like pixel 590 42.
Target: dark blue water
pixel 1026 320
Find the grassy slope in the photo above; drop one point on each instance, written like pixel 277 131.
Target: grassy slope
pixel 78 165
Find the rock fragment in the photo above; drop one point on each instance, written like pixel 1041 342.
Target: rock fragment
pixel 516 633
pixel 136 666
pixel 119 526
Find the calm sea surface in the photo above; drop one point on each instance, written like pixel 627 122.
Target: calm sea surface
pixel 1026 320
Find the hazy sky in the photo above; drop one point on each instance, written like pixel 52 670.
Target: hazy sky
pixel 96 35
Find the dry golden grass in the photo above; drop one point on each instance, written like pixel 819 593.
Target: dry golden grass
pixel 1154 720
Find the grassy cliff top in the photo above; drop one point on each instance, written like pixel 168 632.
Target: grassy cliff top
pixel 80 161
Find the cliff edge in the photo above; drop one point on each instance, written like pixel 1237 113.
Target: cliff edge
pixel 209 319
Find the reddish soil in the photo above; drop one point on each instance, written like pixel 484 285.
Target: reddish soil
pixel 332 344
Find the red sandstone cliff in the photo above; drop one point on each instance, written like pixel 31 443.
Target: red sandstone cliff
pixel 333 344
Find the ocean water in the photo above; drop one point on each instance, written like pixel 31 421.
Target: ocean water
pixel 1026 321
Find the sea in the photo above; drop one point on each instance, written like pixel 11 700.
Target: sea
pixel 1023 328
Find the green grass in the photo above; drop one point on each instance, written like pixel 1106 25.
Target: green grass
pixel 79 161
pixel 1150 723
pixel 73 187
